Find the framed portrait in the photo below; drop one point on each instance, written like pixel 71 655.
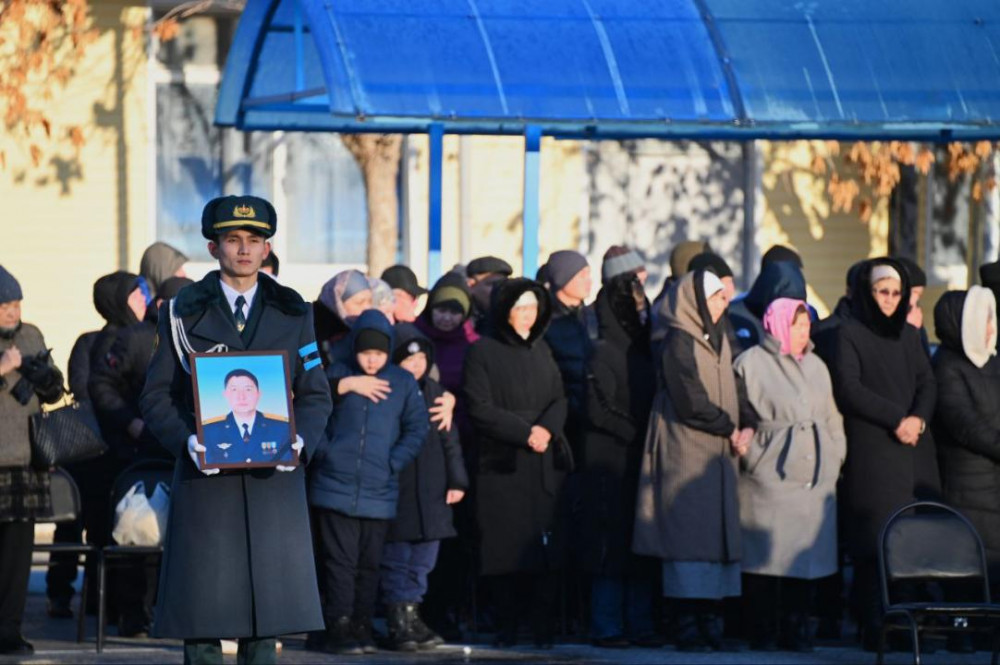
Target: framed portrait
pixel 243 409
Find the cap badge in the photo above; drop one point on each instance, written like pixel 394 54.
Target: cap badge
pixel 244 211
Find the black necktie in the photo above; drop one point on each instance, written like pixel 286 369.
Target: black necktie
pixel 246 429
pixel 241 319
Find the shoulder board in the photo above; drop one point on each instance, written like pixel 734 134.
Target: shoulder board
pixel 274 416
pixel 212 421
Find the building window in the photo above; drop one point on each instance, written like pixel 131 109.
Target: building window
pixel 313 180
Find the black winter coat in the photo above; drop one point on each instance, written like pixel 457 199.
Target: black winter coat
pixel 622 384
pixel 423 514
pixel 570 337
pixel 238 560
pixel 880 376
pixel 824 333
pixel 967 428
pixel 116 382
pixel 512 384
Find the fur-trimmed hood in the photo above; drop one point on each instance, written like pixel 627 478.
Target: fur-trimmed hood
pixel 505 294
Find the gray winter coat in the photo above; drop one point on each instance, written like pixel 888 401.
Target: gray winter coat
pixel 788 479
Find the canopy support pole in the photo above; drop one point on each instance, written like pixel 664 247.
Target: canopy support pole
pixel 530 214
pixel 436 139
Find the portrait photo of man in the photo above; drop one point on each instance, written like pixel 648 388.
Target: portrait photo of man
pixel 246 435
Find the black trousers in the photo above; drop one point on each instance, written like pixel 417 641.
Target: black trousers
pixel 16 541
pixel 251 651
pixel 63 567
pixel 533 595
pixel 350 551
pixel 770 600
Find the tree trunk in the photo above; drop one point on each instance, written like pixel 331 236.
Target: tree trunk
pixel 378 155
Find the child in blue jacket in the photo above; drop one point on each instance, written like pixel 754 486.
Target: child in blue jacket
pixel 377 428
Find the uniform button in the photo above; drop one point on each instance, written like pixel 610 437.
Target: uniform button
pixel 808 486
pixel 248 460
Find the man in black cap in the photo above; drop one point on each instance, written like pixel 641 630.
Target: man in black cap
pixel 238 561
pixel 483 274
pixel 407 291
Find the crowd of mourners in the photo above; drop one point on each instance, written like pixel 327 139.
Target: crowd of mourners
pixel 696 470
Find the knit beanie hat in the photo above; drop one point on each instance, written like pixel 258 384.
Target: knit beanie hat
pixel 619 260
pixel 712 262
pixel 412 347
pixel 562 267
pixel 370 339
pixel 10 289
pixel 682 254
pixel 451 289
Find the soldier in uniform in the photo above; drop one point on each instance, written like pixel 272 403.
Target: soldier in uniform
pixel 238 559
pixel 245 434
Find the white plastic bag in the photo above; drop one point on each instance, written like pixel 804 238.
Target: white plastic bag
pixel 139 520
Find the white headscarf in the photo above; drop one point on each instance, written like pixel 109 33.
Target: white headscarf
pixel 711 284
pixel 980 306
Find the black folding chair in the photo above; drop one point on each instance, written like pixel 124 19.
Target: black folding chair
pixel 928 541
pixel 150 472
pixel 66 507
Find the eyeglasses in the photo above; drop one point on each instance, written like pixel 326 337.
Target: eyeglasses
pixel 886 293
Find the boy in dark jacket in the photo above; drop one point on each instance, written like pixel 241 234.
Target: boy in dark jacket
pixel 378 426
pixel 427 490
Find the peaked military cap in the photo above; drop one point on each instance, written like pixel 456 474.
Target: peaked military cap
pixel 228 213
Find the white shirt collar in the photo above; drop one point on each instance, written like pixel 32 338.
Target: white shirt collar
pixel 240 422
pixel 231 295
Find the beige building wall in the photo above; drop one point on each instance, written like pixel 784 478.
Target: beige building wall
pixel 81 214
pixel 795 210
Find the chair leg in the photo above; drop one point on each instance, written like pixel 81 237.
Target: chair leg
pixel 81 619
pixel 915 632
pixel 996 644
pixel 101 607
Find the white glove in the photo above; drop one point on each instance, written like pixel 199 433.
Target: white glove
pixel 193 449
pixel 297 447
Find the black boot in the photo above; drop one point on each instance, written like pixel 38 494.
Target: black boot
pixel 363 635
pixel 689 636
pixel 795 634
pixel 397 620
pixel 425 637
pixel 340 638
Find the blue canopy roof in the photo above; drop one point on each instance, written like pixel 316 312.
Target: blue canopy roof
pixel 920 69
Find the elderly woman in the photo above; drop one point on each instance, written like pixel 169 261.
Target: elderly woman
pixel 27 378
pixel 515 399
pixel 341 301
pixel 788 479
pixel 687 509
pixel 967 420
pixel 885 389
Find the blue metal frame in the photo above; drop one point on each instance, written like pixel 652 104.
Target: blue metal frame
pixel 436 136
pixel 530 214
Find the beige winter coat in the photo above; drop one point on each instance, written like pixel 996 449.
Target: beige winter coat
pixel 687 506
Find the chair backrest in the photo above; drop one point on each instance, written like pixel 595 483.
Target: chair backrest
pixel 150 472
pixel 927 541
pixel 66 504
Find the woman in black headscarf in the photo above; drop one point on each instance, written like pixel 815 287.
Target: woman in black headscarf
pixel 517 407
pixel 886 391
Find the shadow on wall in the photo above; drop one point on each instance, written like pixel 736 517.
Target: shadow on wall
pixel 653 195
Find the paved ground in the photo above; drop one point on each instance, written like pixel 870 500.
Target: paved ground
pixel 55 643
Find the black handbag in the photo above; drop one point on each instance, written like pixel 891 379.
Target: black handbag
pixel 65 435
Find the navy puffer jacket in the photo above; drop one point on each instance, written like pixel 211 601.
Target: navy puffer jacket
pixel 356 472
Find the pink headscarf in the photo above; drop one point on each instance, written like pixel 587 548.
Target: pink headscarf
pixel 778 322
